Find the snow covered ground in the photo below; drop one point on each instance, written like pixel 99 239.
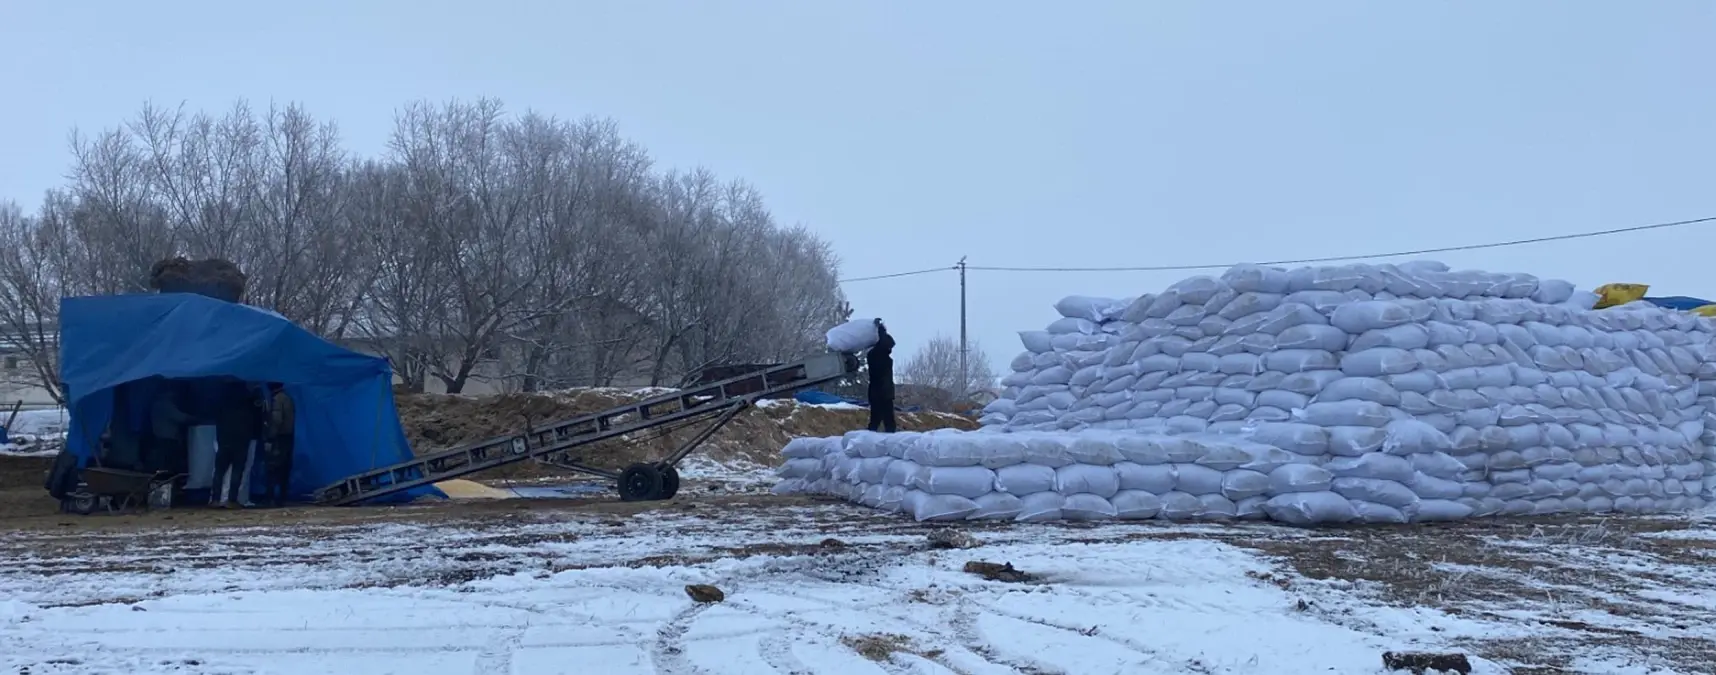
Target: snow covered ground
pixel 828 588
pixel 35 433
pixel 790 403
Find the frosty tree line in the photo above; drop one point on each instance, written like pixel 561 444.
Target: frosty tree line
pixel 537 252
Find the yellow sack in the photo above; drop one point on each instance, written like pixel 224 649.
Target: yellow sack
pixel 1611 295
pixel 1705 310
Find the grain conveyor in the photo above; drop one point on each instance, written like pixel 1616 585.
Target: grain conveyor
pixel 558 443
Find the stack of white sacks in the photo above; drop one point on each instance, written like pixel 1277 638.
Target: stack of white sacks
pixel 1355 393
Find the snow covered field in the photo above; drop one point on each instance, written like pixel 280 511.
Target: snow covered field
pixel 35 433
pixel 829 588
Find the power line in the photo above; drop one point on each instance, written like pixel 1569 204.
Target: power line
pixel 1297 261
pixel 1444 249
pixel 901 274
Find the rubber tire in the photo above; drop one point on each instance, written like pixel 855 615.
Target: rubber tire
pixel 82 503
pixel 669 481
pixel 640 483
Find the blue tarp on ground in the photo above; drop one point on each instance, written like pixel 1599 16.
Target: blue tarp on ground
pixel 346 420
pixel 814 397
pixel 1680 302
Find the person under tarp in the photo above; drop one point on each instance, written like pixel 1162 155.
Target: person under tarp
pixel 344 420
pixel 239 421
pixel 169 425
pixel 277 457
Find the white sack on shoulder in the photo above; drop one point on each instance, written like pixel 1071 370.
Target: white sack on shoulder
pixel 853 336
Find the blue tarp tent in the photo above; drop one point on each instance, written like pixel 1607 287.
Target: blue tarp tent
pixel 346 420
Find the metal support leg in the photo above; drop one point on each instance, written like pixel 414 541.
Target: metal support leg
pixel 687 447
pixel 580 467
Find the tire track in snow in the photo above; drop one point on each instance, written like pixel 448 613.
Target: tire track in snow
pixel 963 623
pixel 776 650
pixel 1092 632
pixel 496 656
pixel 801 627
pixel 934 631
pixel 668 652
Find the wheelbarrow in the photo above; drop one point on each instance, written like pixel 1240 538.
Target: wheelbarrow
pixel 114 490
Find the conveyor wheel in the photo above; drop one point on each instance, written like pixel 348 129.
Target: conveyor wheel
pixel 669 481
pixel 641 482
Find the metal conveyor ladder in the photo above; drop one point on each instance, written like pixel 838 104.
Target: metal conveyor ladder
pixel 554 442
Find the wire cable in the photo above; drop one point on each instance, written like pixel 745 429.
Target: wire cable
pixel 899 274
pixel 1397 254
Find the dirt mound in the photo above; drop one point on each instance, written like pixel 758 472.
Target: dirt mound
pixel 213 277
pixel 438 422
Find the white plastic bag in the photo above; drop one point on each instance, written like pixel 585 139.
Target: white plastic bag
pixel 1040 507
pixel 1156 479
pixel 1243 484
pixel 996 506
pixel 1290 478
pixel 1135 505
pixel 1025 479
pixel 1309 508
pixel 1180 506
pixel 1385 492
pixel 1087 307
pixel 969 482
pixel 925 506
pixel 1087 507
pixel 804 468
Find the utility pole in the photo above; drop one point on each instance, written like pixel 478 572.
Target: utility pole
pixel 964 367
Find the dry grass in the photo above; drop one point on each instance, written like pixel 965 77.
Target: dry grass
pixel 1582 583
pixel 883 646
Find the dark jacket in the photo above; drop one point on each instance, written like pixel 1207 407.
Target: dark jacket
pixel 240 413
pixel 166 419
pixel 881 363
pixel 282 415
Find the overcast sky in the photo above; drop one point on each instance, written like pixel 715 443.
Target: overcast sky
pixel 1081 133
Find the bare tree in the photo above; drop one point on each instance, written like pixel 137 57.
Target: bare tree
pixel 585 207
pixel 204 171
pixel 32 281
pixel 936 366
pixel 111 213
pixel 553 250
pixel 468 173
pixel 406 299
pixel 308 259
pixel 800 295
